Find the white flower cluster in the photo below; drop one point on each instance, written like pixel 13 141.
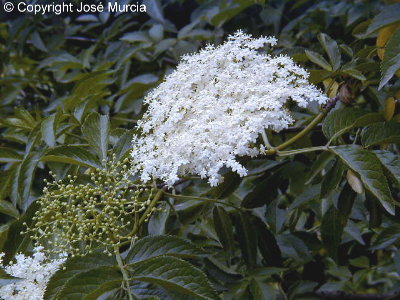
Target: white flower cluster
pixel 214 106
pixel 34 272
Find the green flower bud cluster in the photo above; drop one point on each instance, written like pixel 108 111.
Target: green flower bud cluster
pixel 97 210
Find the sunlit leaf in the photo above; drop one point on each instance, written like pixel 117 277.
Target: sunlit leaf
pixel 368 167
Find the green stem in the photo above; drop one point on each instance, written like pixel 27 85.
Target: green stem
pixel 148 211
pixel 298 136
pixel 265 139
pixel 304 150
pixel 123 271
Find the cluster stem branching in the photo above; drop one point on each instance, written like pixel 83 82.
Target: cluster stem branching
pixel 318 118
pixel 146 214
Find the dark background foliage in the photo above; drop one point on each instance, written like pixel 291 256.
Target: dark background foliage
pixel 308 226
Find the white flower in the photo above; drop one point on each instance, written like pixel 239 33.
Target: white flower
pixel 213 107
pixel 34 272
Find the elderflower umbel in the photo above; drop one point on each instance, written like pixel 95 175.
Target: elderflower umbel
pixel 213 107
pixel 100 211
pixel 34 273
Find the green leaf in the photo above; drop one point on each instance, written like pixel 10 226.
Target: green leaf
pixel 361 262
pixel 7 208
pixel 391 60
pixel 331 231
pixel 268 245
pixel 263 193
pixel 33 140
pixel 335 219
pixel 15 241
pixel 96 130
pixel 262 290
pixel 63 61
pixel 148 291
pixel 72 268
pixel 14 185
pixel 135 36
pixel 341 120
pixel 368 167
pixel 304 198
pixel 386 237
pixel 355 74
pixel 9 155
pixel 23 119
pixel 154 10
pixel 229 12
pixel 352 230
pixel 374 209
pixel 319 165
pixel 72 154
pixel 156 32
pixel 5 183
pixel 381 133
pixel 123 145
pixel 89 285
pixel 276 216
pixel 152 246
pixel 25 178
pixel 389 15
pixel 224 228
pixel 48 128
pixel 331 48
pixel 38 42
pixel 294 248
pixel 368 118
pixel 332 178
pixel 158 222
pixel 174 274
pixel 139 83
pixel 228 186
pixel 247 238
pixel 391 163
pixel 258 166
pixel 88 85
pixel 317 76
pixel 318 59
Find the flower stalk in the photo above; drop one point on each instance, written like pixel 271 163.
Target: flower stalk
pixel 147 213
pixel 298 136
pixel 304 150
pixel 125 283
pixel 318 118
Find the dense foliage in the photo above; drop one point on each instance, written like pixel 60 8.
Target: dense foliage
pixel 315 218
